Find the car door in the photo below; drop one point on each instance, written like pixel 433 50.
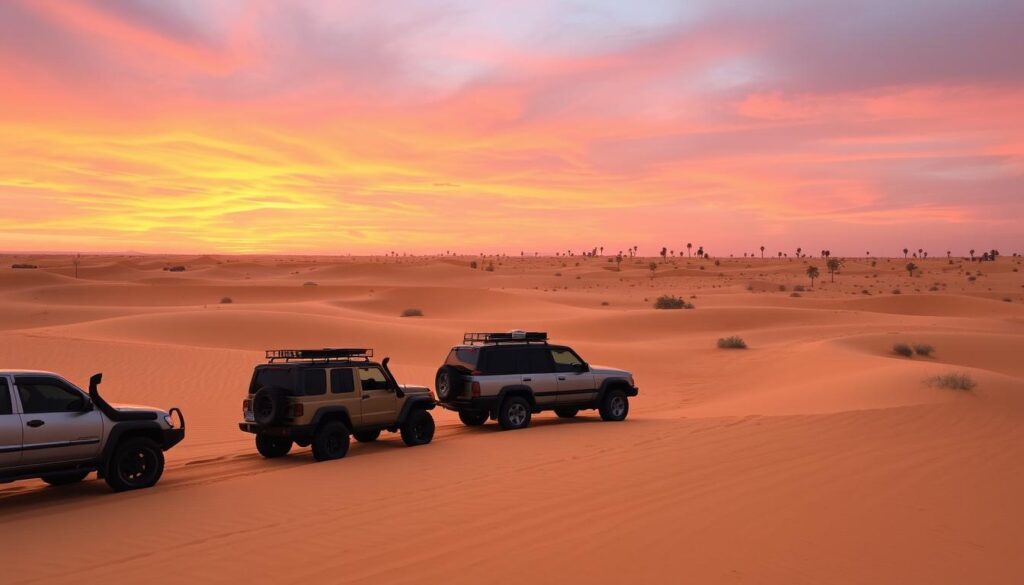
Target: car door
pixel 343 393
pixel 575 380
pixel 538 372
pixel 378 396
pixel 58 422
pixel 10 427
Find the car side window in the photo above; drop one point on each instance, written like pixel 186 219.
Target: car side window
pixel 341 381
pixel 566 361
pixel 501 362
pixel 6 407
pixel 373 378
pixel 535 360
pixel 42 395
pixel 314 381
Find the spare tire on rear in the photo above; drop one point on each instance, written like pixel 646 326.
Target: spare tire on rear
pixel 269 405
pixel 447 383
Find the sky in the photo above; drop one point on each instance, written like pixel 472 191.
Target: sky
pixel 486 126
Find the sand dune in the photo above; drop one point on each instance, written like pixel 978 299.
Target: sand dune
pixel 815 456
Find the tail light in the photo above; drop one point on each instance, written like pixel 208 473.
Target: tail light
pixel 476 389
pixel 246 405
pixel 297 410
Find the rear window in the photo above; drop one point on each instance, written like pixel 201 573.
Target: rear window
pixel 5 397
pixel 314 381
pixel 464 358
pixel 272 377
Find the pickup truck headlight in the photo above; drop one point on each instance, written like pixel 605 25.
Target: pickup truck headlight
pixel 167 420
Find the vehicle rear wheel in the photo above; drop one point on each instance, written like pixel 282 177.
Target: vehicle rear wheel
pixel 472 418
pixel 269 405
pixel 330 442
pixel 67 478
pixel 418 428
pixel 566 412
pixel 137 463
pixel 514 413
pixel 366 436
pixel 270 446
pixel 447 383
pixel 615 406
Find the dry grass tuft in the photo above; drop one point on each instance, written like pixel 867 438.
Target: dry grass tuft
pixel 732 342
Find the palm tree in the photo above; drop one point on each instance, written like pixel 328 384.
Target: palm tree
pixel 833 265
pixel 689 247
pixel 700 252
pixel 812 272
pixel 949 254
pixel 762 252
pixel 780 254
pixel 905 252
pixel 798 251
pixel 972 254
pixel 911 267
pixel 618 262
pixel 652 267
pixel 664 253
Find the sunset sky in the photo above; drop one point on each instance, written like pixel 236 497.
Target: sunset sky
pixel 364 127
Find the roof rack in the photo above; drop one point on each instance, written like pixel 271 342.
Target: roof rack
pixel 506 337
pixel 327 354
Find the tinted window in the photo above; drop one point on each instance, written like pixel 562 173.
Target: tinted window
pixel 40 395
pixel 566 361
pixel 341 381
pixel 535 360
pixel 5 397
pixel 314 382
pixel 464 358
pixel 501 362
pixel 271 378
pixel 373 379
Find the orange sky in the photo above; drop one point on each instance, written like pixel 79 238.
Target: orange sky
pixel 332 127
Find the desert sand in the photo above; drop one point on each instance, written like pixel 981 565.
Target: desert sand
pixel 816 455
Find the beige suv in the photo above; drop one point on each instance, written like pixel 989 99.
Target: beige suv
pixel 320 397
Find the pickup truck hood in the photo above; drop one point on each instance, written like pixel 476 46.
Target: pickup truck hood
pixel 410 389
pixel 607 372
pixel 139 408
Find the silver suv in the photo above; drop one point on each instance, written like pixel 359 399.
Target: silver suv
pixel 52 430
pixel 509 376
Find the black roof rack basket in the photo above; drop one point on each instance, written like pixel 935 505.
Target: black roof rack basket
pixel 327 354
pixel 505 337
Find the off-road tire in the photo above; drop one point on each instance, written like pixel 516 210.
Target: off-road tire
pixel 330 441
pixel 418 428
pixel 514 413
pixel 269 405
pixel 65 478
pixel 473 418
pixel 447 382
pixel 366 436
pixel 614 406
pixel 566 412
pixel 137 463
pixel 271 446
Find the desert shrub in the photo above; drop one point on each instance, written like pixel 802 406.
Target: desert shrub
pixel 411 313
pixel 175 269
pixel 226 301
pixel 795 294
pixel 782 288
pixel 924 349
pixel 717 263
pixel 1007 300
pixel 954 381
pixel 23 266
pixel 903 349
pixel 865 292
pixel 671 302
pixel 490 267
pixel 732 342
pixel 896 291
pixel 473 264
pixel 605 303
pixel 310 283
pixel 972 278
pixel 799 288
pixel 558 274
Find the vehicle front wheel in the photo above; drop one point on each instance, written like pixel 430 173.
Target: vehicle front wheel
pixel 137 463
pixel 270 446
pixel 472 418
pixel 514 413
pixel 330 442
pixel 615 406
pixel 59 479
pixel 418 429
pixel 366 436
pixel 566 412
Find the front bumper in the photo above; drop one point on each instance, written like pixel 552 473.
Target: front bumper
pixel 173 436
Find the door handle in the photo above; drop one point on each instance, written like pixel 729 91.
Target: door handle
pixel 527 379
pixel 561 377
pixel 35 423
pixel 365 397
